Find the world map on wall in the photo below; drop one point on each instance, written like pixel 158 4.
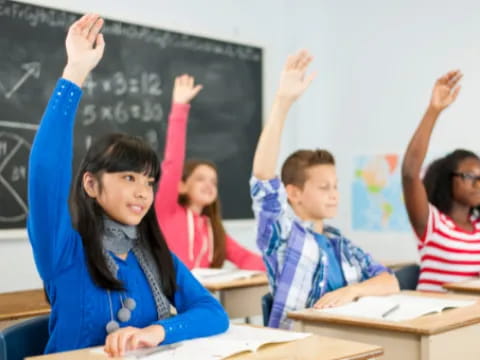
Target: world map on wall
pixel 377 199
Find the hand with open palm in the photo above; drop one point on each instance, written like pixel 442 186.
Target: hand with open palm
pixel 294 80
pixel 184 89
pixel 446 90
pixel 85 46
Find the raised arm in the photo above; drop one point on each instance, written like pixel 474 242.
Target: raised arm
pixel 184 91
pixel 444 93
pixel 50 164
pixel 293 83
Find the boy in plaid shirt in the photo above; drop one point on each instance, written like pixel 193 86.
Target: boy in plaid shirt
pixel 309 263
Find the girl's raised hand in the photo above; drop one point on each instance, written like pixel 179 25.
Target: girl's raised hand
pixel 85 46
pixel 446 90
pixel 184 89
pixel 293 80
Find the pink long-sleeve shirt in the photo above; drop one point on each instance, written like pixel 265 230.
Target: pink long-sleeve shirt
pixel 173 217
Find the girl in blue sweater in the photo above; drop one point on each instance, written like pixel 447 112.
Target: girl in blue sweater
pixel 107 270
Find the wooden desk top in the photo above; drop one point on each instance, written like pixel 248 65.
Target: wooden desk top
pixel 424 325
pixel 395 265
pixel 313 348
pixel 310 348
pixel 470 286
pixel 256 280
pixel 21 304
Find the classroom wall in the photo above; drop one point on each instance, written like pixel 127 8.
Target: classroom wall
pixel 376 64
pixel 224 19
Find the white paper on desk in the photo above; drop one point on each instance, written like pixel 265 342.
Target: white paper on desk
pixel 212 276
pixel 409 307
pixel 236 340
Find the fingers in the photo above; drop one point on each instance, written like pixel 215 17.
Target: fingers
pixel 452 74
pixel 323 302
pixel 108 344
pixel 100 44
pixel 79 25
pixel 139 340
pixel 95 30
pixel 455 92
pixel 328 302
pixel 116 343
pixel 304 61
pixel 188 81
pixel 134 342
pixel 122 340
pixel 196 90
pixel 88 26
pixel 304 58
pixel 299 61
pixel 290 62
pixel 309 79
pixel 451 78
pixel 454 79
pixel 85 23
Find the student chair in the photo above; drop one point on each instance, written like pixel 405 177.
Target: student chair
pixel 27 338
pixel 408 277
pixel 267 302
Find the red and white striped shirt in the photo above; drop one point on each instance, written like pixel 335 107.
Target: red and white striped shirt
pixel 447 252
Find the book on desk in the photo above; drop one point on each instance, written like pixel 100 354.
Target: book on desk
pixel 398 307
pixel 214 276
pixel 236 340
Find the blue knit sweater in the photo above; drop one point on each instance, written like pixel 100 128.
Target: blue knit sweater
pixel 80 309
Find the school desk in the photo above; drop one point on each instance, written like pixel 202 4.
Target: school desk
pixel 22 304
pixel 451 334
pixel 241 298
pixel 470 287
pixel 311 348
pixel 396 265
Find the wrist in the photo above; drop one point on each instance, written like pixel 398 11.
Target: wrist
pixel 159 332
pixel 434 110
pixel 75 74
pixel 283 102
pixel 180 103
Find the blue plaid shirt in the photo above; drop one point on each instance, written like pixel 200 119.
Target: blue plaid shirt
pixel 297 266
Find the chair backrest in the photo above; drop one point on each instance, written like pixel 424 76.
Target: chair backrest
pixel 27 338
pixel 408 277
pixel 267 302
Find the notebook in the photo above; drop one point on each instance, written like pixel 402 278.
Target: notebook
pixel 236 340
pixel 215 276
pixel 398 307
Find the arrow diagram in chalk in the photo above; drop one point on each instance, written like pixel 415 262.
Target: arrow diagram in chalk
pixel 32 69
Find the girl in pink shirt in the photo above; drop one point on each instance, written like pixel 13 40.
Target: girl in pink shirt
pixel 187 204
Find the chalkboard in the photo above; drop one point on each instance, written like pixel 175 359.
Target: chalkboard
pixel 130 91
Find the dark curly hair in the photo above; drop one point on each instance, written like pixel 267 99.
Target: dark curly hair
pixel 438 178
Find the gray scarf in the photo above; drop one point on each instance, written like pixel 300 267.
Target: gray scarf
pixel 120 239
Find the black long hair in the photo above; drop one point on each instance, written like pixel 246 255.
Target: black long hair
pixel 116 153
pixel 438 179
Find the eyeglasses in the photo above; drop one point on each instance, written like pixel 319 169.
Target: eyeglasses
pixel 474 179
